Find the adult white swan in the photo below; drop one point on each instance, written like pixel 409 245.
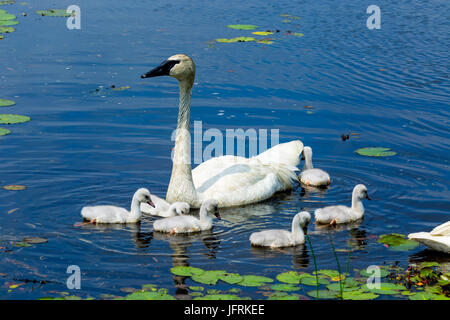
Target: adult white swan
pixel 438 239
pixel 113 214
pixel 231 180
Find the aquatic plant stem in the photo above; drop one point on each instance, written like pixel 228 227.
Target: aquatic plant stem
pixel 338 265
pixel 315 264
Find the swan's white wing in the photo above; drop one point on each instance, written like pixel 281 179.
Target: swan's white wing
pixel 235 180
pixel 438 243
pixel 105 214
pixel 342 214
pixel 178 224
pixel 271 238
pixel 441 230
pixel 286 153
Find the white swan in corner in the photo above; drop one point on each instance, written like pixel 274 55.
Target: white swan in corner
pixel 164 209
pixel 311 176
pixel 113 214
pixel 231 180
pixel 438 239
pixel 283 238
pixel 342 214
pixel 188 224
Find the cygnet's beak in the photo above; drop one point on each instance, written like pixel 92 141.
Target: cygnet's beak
pixel 303 156
pixel 150 202
pixel 162 70
pixel 216 213
pixel 368 198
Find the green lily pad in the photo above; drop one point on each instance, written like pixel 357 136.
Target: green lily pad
pixel 291 277
pixel 284 287
pixel 323 294
pixel 297 34
pixel 375 152
pixel 265 41
pixel 386 288
pixel 397 242
pixel 186 271
pixel 149 287
pixel 359 295
pixel 254 281
pixel 7 29
pixel 196 288
pixel 237 39
pixel 6 16
pixel 22 244
pixel 328 273
pixel 231 278
pixel 427 296
pixel 4 132
pixel 146 295
pixel 8 22
pixel 219 297
pixel 35 240
pixel 13 118
pixel 208 277
pixel 7 2
pixel 242 26
pixel 347 285
pixel 54 13
pixel 312 281
pixel 283 296
pixel 383 273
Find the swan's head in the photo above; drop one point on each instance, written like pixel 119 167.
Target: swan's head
pixel 212 206
pixel 360 191
pixel 179 66
pixel 181 208
pixel 307 153
pixel 303 219
pixel 143 195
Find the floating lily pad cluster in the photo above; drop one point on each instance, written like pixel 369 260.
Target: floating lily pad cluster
pixel 6 21
pixel 397 242
pixel 54 13
pixel 258 33
pixel 10 118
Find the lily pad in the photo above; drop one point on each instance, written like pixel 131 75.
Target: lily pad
pixel 427 296
pixel 196 288
pixel 161 294
pixel 312 281
pixel 7 2
pixel 265 41
pixel 284 287
pixel 383 273
pixel 298 34
pixel 347 285
pixel 237 39
pixel 208 277
pixel 291 277
pixel 35 240
pixel 254 281
pixel 231 278
pixel 359 295
pixel 54 13
pixel 4 132
pixel 13 118
pixel 397 242
pixel 385 288
pixel 7 29
pixel 283 296
pixel 22 244
pixel 329 273
pixel 219 297
pixel 14 187
pixel 6 16
pixel 375 152
pixel 242 26
pixel 323 294
pixel 186 271
pixel 8 22
pixel 262 33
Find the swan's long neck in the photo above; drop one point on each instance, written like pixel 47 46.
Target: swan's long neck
pixel 297 230
pixel 357 205
pixel 181 185
pixel 135 210
pixel 308 162
pixel 204 217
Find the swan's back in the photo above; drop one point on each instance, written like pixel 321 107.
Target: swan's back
pixel 341 214
pixel 105 214
pixel 271 238
pixel 178 224
pixel 314 177
pixel 438 243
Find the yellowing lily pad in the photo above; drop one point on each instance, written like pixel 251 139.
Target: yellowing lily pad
pixel 4 132
pixel 13 118
pixel 298 34
pixel 262 33
pixel 6 103
pixel 237 39
pixel 375 152
pixel 14 187
pixel 242 26
pixel 7 29
pixel 265 41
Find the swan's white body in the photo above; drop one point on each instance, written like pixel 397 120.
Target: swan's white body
pixel 343 214
pixel 164 209
pixel 113 214
pixel 438 239
pixel 231 180
pixel 311 176
pixel 283 238
pixel 188 224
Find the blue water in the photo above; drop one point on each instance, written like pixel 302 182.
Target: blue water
pixel 85 147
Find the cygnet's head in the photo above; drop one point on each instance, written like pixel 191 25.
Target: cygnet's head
pixel 211 206
pixel 303 219
pixel 179 66
pixel 306 153
pixel 143 195
pixel 181 208
pixel 360 191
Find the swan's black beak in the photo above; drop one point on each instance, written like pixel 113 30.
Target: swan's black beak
pixel 162 70
pixel 303 156
pixel 150 202
pixel 368 198
pixel 216 213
